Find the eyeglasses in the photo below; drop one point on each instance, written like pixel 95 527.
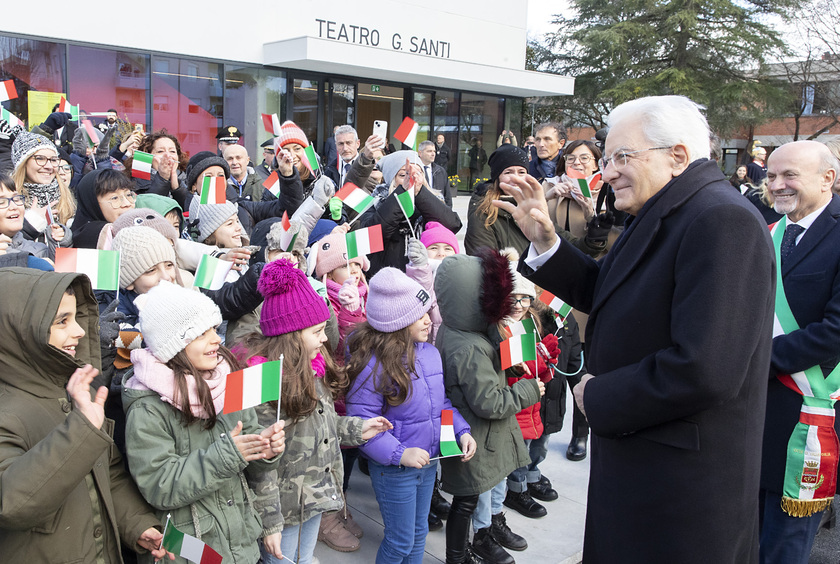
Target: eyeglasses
pixel 582 159
pixel 18 199
pixel 41 160
pixel 66 168
pixel 619 158
pixel 522 302
pixel 116 200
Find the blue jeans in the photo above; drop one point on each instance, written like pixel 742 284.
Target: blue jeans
pixel 404 496
pixel 785 539
pixel 489 504
pixel 289 543
pixel 519 479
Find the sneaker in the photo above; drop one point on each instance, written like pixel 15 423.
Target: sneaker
pixel 485 546
pixel 524 504
pixel 504 536
pixel 334 535
pixel 349 523
pixel 542 490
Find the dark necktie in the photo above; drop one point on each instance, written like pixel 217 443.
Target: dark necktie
pixel 429 175
pixel 789 240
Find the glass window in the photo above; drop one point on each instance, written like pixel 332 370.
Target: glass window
pixel 250 92
pixel 513 119
pixel 103 79
pixel 343 103
pixel 305 99
pixel 379 102
pixel 446 123
pixel 480 125
pixel 422 114
pixel 34 66
pixel 188 101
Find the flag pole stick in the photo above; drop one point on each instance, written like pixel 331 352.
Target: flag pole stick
pixel 168 516
pixel 280 388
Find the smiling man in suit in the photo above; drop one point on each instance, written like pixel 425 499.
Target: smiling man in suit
pixel 799 458
pixel 678 343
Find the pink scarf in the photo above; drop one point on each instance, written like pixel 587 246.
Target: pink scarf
pixel 319 365
pixel 151 374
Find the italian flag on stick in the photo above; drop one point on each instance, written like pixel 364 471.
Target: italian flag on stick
pixel 8 90
pixel 271 123
pixel 213 190
pixel 187 546
pixel 448 444
pixel 520 348
pixel 211 272
pixel 406 202
pixel 288 237
pixel 559 306
pixel 355 198
pixel 253 386
pixel 585 183
pixel 65 106
pixel 407 132
pixel 311 161
pixel 141 165
pixel 364 241
pixel 11 118
pixel 90 132
pixel 102 267
pixel 272 183
pixel 520 328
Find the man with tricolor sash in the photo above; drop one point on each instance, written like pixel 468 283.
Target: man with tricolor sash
pixel 677 344
pixel 800 450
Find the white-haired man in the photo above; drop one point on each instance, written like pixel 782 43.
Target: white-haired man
pixel 347 145
pixel 678 343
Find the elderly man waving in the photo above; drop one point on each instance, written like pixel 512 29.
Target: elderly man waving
pixel 681 315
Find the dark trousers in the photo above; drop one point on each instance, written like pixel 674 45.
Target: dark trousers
pixel 785 539
pixel 458 528
pixel 580 427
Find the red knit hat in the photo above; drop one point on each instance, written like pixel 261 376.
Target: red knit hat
pixel 290 302
pixel 291 133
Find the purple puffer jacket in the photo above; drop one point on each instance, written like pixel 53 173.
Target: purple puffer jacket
pixel 416 421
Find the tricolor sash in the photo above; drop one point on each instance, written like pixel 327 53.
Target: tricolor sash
pixel 813 448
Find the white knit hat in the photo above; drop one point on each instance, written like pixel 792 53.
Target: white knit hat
pixel 521 285
pixel 172 317
pixel 26 144
pixel 210 216
pixel 140 249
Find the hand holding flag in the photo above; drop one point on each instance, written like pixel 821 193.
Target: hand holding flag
pixel 272 124
pixel 272 183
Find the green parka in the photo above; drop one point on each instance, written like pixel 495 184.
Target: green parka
pixel 64 492
pixel 475 383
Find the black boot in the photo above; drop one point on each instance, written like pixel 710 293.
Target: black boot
pixel 524 504
pixel 440 506
pixel 542 490
pixel 458 529
pixel 504 536
pixel 435 524
pixel 488 548
pixel 577 449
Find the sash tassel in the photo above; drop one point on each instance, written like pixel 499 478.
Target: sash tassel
pixel 804 507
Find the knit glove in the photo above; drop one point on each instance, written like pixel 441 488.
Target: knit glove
pixel 104 146
pixel 5 129
pixel 335 208
pixel 109 324
pixel 417 253
pixel 548 351
pixel 323 190
pixel 348 295
pixel 55 121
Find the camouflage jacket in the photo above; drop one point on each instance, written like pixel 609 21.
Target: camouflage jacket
pixel 308 480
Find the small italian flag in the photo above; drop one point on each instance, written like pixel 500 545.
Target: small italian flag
pixel 8 90
pixel 364 241
pixel 141 165
pixel 211 272
pixel 559 306
pixel 213 190
pixel 102 267
pixel 355 198
pixel 11 118
pixel 65 106
pixel 48 214
pixel 520 328
pixel 288 237
pixel 448 444
pixel 406 202
pixel 311 160
pixel 90 132
pixel 271 123
pixel 253 386
pixel 407 132
pixel 585 183
pixel 187 546
pixel 272 184
pixel 520 348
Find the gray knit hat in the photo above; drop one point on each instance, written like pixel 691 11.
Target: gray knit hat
pixel 26 144
pixel 146 218
pixel 140 249
pixel 391 164
pixel 210 217
pixel 171 317
pixel 395 301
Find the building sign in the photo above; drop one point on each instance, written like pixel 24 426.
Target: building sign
pixel 372 37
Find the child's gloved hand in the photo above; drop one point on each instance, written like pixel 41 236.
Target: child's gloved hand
pixel 549 348
pixel 348 295
pixel 417 253
pixel 335 208
pixel 323 190
pixel 109 324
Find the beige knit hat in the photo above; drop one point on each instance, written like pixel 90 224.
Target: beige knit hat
pixel 140 249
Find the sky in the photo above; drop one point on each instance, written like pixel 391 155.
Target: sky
pixel 540 14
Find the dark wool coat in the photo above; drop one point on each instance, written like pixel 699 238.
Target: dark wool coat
pixel 681 313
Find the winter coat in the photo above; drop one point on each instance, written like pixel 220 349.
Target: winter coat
pixel 553 403
pixel 35 229
pixel 475 382
pixel 252 189
pixel 194 474
pixel 395 230
pixel 502 234
pixel 65 493
pixel 311 473
pixel 417 420
pixel 88 221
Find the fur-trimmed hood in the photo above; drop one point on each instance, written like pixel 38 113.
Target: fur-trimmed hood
pixel 474 292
